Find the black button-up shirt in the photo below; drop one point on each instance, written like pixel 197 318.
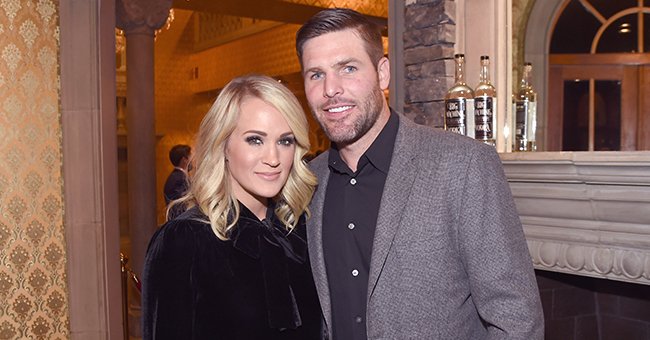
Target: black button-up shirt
pixel 350 214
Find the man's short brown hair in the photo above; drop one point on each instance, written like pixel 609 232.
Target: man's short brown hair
pixel 339 19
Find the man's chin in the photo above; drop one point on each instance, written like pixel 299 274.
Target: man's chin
pixel 348 137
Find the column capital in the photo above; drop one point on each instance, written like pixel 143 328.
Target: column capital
pixel 143 16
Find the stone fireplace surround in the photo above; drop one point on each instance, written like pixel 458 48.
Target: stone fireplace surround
pixel 586 216
pixel 585 213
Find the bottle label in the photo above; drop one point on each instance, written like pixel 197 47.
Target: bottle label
pixel 456 115
pixel 484 118
pixel 521 118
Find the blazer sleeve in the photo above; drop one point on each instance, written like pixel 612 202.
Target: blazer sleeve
pixel 495 253
pixel 167 294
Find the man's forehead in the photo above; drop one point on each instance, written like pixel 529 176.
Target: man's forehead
pixel 331 49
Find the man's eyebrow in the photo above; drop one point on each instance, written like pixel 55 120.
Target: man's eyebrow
pixel 312 69
pixel 337 64
pixel 344 62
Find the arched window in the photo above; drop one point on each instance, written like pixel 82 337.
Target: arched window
pixel 602 26
pixel 597 99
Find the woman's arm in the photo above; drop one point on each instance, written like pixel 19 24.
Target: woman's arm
pixel 167 294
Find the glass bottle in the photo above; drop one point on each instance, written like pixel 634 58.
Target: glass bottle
pixel 459 102
pixel 525 109
pixel 485 104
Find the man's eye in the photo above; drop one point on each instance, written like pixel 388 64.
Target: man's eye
pixel 349 69
pixel 254 140
pixel 316 76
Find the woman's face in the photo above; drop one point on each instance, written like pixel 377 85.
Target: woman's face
pixel 259 153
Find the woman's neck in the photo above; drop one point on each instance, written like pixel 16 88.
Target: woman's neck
pixel 257 207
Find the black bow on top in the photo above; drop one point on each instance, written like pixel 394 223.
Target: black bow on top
pixel 269 242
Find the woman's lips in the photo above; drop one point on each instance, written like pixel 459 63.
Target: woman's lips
pixel 269 176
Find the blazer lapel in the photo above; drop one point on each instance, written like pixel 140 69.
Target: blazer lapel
pixel 315 237
pixel 402 173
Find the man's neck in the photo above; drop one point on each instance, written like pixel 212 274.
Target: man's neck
pixel 351 153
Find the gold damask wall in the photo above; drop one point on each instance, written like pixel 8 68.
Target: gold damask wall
pixel 33 289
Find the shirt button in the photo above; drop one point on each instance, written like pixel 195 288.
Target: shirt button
pixel 353 181
pixel 358 319
pixel 351 226
pixel 355 272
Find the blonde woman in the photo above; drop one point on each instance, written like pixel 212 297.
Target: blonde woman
pixel 235 264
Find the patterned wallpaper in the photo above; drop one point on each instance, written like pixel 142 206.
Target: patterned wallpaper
pixel 33 289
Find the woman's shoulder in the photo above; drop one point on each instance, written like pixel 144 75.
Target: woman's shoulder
pixel 182 234
pixel 190 222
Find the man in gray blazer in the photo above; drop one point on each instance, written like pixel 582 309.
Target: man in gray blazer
pixel 414 233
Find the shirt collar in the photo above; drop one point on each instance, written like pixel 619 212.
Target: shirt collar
pixel 379 153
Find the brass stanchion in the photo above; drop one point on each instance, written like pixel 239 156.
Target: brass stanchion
pixel 125 296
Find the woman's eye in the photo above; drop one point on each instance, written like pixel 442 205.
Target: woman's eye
pixel 287 141
pixel 254 140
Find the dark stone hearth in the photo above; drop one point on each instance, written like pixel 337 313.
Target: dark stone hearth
pixel 560 329
pixel 576 301
pixel 616 328
pixel 579 307
pixel 586 327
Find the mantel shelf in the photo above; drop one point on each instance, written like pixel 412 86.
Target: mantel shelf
pixel 585 213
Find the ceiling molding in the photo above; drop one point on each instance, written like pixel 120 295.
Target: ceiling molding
pixel 274 10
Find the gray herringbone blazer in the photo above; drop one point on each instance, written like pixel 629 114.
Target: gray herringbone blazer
pixel 449 258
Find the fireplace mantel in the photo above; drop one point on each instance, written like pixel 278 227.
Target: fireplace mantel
pixel 585 213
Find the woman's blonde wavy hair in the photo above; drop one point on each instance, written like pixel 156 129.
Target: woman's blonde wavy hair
pixel 210 187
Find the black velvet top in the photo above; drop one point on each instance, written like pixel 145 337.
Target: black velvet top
pixel 256 285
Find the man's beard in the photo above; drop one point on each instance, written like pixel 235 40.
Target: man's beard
pixel 341 133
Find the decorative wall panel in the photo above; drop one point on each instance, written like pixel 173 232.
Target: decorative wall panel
pixel 33 289
pixel 271 52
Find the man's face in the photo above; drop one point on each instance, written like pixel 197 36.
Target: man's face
pixel 185 163
pixel 343 86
